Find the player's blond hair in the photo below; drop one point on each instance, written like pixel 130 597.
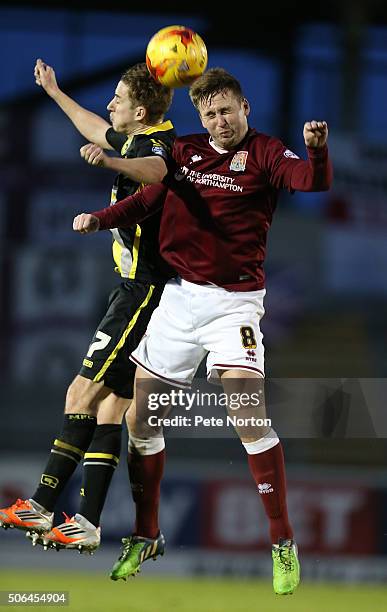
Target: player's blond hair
pixel 145 91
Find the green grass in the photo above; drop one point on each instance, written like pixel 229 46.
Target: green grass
pixel 95 592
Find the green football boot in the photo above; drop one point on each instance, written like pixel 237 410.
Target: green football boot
pixel 135 551
pixel 286 567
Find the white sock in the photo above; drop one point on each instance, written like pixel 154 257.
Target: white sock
pixel 263 444
pixel 146 446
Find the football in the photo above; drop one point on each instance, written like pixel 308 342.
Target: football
pixel 176 56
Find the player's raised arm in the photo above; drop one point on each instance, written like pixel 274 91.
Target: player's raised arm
pixel 317 173
pixel 91 126
pixel 287 170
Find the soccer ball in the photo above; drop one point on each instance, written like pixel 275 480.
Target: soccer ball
pixel 176 56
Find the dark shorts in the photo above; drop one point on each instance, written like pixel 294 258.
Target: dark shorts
pixel 130 307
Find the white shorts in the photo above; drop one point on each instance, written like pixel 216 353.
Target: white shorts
pixel 193 321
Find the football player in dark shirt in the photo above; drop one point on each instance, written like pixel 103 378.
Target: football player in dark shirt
pixel 102 391
pixel 218 204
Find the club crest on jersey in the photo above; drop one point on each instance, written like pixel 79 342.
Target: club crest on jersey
pixel 238 162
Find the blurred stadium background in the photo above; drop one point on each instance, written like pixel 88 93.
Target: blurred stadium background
pixel 326 306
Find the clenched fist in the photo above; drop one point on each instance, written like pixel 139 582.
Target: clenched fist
pixel 315 133
pixel 93 154
pixel 86 224
pixel 45 77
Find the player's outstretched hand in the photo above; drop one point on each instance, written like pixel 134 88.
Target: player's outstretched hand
pixel 315 133
pixel 45 77
pixel 86 224
pixel 93 154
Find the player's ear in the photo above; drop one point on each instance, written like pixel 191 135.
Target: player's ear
pixel 246 106
pixel 140 113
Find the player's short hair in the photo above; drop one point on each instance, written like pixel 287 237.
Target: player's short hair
pixel 145 91
pixel 211 83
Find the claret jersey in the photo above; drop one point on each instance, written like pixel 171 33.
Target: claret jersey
pixel 218 205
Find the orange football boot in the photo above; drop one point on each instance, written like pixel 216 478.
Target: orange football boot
pixel 23 515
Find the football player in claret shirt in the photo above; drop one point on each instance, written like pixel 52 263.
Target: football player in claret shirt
pixel 103 389
pixel 218 201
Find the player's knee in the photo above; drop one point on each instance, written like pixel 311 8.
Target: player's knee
pixel 140 425
pixel 130 418
pixel 81 396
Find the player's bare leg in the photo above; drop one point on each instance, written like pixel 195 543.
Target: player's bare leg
pixel 266 462
pixel 146 457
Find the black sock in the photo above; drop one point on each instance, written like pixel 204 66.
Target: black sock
pixel 67 451
pixel 99 464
